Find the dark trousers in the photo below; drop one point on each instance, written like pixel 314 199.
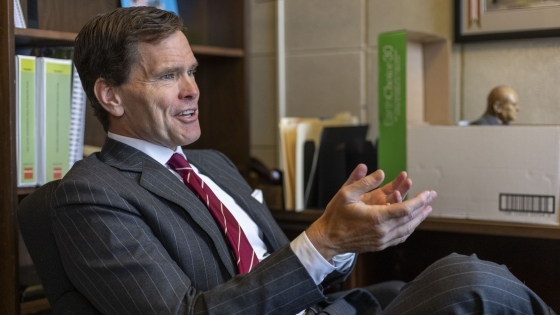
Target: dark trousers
pixel 456 284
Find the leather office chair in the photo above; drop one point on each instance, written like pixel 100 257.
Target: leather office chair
pixel 37 232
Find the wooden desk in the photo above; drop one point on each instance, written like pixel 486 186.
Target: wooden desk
pixel 531 252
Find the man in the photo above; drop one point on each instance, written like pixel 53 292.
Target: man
pixel 135 237
pixel 502 107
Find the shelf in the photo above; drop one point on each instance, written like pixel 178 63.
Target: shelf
pixel 442 225
pixel 217 51
pixel 34 37
pixel 25 190
pixel 491 228
pixel 36 306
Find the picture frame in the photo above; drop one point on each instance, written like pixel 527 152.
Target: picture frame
pixel 485 20
pixel 168 5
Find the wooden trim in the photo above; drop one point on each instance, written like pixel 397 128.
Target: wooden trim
pixel 33 36
pixel 30 36
pixel 25 191
pixel 217 51
pixel 306 217
pixel 34 307
pixel 491 228
pixel 9 294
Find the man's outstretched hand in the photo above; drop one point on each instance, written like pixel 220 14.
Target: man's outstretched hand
pixel 362 217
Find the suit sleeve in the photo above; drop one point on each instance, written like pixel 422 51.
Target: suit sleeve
pixel 113 257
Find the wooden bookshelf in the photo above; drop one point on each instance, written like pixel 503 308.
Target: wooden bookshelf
pixel 34 307
pixel 37 37
pixel 217 51
pixel 217 30
pixel 8 198
pixel 25 191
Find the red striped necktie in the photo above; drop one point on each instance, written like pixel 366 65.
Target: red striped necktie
pixel 242 249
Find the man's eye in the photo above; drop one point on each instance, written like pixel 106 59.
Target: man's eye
pixel 191 72
pixel 168 76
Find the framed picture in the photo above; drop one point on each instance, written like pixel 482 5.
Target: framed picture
pixel 168 5
pixel 479 20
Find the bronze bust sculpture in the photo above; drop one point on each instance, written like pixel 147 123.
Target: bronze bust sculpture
pixel 502 107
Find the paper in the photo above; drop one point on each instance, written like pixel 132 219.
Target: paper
pixel 77 119
pixel 19 20
pixel 294 132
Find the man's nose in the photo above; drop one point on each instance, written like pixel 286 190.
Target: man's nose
pixel 189 88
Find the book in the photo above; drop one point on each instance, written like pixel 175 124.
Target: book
pixel 54 82
pixel 26 121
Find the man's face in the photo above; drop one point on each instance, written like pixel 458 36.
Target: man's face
pixel 160 98
pixel 509 108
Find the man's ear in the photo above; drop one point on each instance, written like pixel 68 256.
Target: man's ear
pixel 497 107
pixel 108 97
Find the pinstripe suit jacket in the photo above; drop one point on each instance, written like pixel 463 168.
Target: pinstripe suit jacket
pixel 134 240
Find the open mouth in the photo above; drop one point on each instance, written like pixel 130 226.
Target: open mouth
pixel 188 113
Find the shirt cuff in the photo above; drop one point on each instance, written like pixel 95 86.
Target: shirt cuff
pixel 317 266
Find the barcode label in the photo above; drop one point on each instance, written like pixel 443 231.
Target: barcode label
pixel 527 203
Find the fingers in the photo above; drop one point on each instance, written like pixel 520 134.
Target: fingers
pixel 398 181
pixel 394 197
pixel 401 183
pixel 409 208
pixel 404 218
pixel 402 231
pixel 358 183
pixel 358 173
pixel 348 226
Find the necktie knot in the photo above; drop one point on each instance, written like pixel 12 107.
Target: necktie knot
pixel 179 164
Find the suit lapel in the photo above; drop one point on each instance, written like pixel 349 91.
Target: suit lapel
pixel 256 210
pixel 155 178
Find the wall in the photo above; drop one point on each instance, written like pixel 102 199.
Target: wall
pixel 261 57
pixel 331 64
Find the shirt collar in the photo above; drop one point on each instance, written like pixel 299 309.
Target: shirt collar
pixel 157 152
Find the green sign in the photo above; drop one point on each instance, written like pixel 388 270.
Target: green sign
pixel 392 103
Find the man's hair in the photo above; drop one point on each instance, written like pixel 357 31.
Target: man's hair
pixel 107 46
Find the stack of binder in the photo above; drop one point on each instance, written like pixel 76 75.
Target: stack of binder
pixel 50 118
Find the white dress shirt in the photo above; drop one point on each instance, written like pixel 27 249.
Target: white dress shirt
pixel 312 260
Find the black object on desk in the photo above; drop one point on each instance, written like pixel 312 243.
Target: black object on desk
pixel 340 150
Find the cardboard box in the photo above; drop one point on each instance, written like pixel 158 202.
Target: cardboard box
pixel 413 90
pixel 497 173
pixel 479 172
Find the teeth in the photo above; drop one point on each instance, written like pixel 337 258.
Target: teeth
pixel 187 112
